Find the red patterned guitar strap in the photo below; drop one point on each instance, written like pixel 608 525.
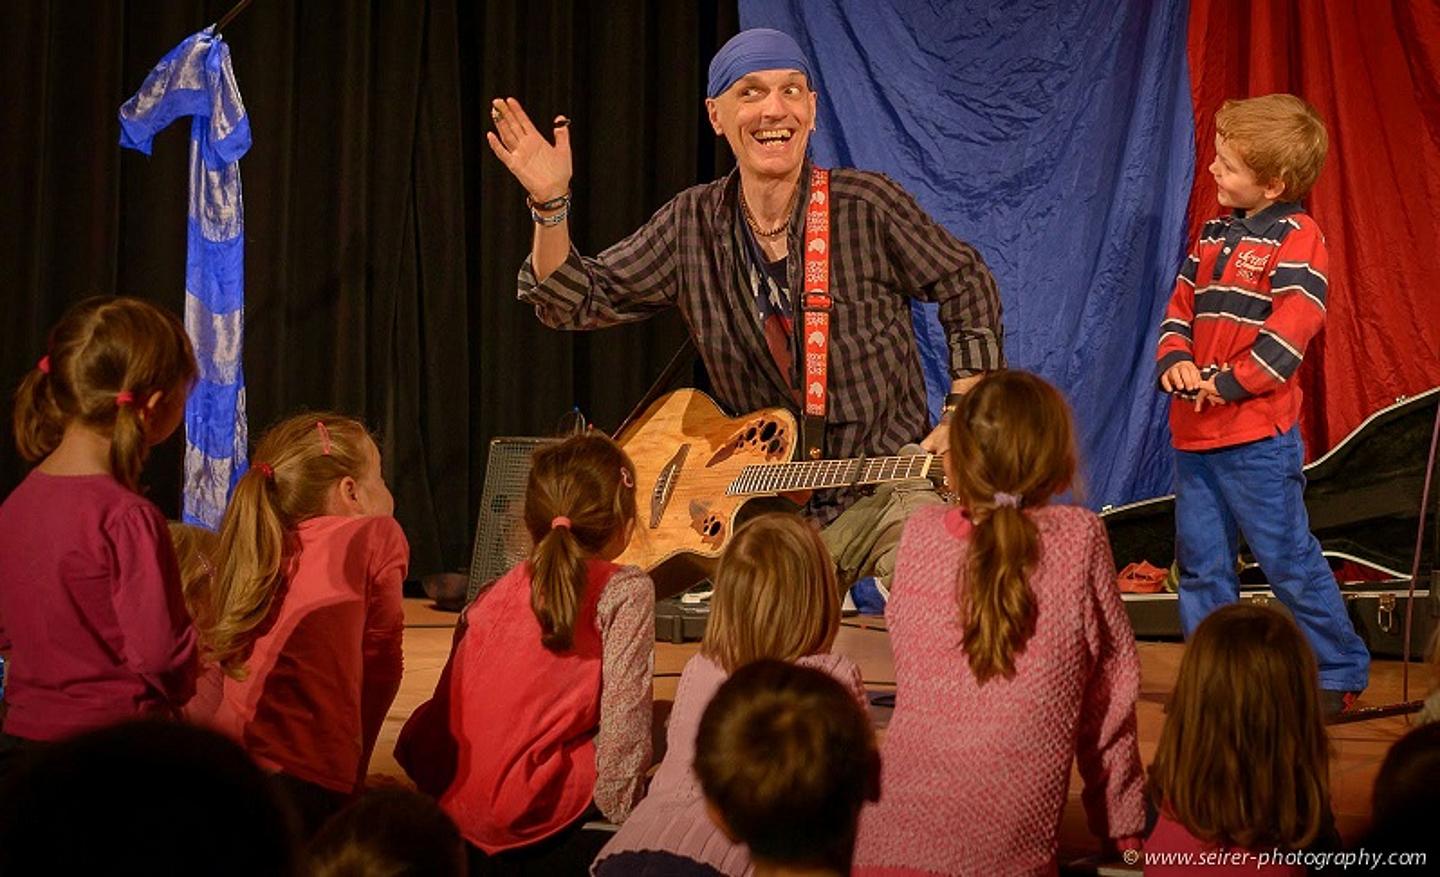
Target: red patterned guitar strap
pixel 817 312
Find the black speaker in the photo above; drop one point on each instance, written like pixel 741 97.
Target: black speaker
pixel 501 540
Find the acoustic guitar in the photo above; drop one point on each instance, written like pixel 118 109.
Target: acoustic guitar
pixel 695 468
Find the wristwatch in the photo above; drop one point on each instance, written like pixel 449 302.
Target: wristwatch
pixel 952 401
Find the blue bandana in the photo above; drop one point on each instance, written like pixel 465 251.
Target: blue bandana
pixel 759 48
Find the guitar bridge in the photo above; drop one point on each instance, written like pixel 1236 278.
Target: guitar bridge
pixel 665 486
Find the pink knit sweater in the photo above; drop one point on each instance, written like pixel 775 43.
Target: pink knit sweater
pixel 974 778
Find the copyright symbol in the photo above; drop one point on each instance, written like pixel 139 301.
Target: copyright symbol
pixel 1130 856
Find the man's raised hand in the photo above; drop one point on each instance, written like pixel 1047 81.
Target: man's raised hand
pixel 543 168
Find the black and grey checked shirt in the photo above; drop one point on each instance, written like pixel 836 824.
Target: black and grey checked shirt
pixel 885 250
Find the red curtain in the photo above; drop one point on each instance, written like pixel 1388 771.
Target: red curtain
pixel 1372 70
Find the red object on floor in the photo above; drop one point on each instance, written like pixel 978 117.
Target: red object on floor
pixel 1142 578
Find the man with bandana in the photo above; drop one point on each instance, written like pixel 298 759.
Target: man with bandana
pixel 729 254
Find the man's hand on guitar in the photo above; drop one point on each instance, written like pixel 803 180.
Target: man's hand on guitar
pixel 542 168
pixel 938 441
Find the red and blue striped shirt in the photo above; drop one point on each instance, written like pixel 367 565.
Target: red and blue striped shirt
pixel 1247 302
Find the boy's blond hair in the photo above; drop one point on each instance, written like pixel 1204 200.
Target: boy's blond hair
pixel 775 594
pixel 1280 137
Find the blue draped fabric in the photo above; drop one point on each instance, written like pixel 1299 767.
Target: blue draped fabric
pixel 195 79
pixel 1058 138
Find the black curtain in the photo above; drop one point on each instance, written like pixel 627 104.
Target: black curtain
pixel 382 237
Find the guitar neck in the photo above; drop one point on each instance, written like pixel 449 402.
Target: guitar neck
pixel 772 478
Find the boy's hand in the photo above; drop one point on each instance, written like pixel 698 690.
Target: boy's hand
pixel 1206 392
pixel 1182 377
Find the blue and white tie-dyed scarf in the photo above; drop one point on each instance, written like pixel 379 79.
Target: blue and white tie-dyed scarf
pixel 195 80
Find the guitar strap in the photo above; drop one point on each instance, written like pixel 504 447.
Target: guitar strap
pixel 816 290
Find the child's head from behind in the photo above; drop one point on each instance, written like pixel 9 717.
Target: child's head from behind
pixel 1278 139
pixel 1012 447
pixel 775 594
pixel 579 503
pixel 388 833
pixel 786 758
pixel 1407 794
pixel 304 467
pixel 143 797
pixel 119 367
pixel 1243 757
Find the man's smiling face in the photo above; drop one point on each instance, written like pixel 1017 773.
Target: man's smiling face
pixel 767 117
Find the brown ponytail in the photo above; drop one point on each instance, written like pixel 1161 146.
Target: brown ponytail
pixel 1012 447
pixel 107 357
pixel 587 480
pixel 291 474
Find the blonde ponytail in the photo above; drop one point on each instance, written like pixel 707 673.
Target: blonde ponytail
pixel 247 576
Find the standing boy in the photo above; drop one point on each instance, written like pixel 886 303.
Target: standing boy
pixel 1247 302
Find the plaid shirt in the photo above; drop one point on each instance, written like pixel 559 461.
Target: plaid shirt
pixel 885 251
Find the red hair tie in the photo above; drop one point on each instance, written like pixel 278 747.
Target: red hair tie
pixel 324 437
pixel 123 398
pixel 264 469
pixel 44 364
pixel 560 521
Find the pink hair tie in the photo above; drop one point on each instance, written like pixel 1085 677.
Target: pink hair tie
pixel 123 398
pixel 1012 500
pixel 560 521
pixel 324 437
pixel 44 364
pixel 266 470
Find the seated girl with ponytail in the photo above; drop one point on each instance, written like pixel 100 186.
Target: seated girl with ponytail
pixel 546 698
pixel 91 610
pixel 1013 657
pixel 305 617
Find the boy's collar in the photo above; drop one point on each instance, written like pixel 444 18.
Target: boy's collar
pixel 1256 223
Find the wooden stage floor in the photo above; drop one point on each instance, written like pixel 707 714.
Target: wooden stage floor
pixel 1358 748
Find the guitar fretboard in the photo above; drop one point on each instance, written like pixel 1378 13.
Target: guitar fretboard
pixel 769 478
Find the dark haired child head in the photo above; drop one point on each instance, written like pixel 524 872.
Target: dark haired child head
pixel 1012 448
pixel 388 833
pixel 112 384
pixel 579 503
pixel 1406 796
pixel 143 797
pixel 787 758
pixel 1243 759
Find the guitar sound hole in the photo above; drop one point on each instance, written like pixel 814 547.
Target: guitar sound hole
pixel 767 432
pixel 773 447
pixel 749 435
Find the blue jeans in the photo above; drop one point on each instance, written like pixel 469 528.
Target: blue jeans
pixel 1257 489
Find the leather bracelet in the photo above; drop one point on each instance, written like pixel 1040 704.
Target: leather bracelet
pixel 561 203
pixel 553 204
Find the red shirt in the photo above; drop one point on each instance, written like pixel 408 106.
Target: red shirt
pixel 90 607
pixel 525 717
pixel 325 671
pixel 1248 300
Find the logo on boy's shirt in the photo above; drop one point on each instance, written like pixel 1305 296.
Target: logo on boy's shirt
pixel 1250 264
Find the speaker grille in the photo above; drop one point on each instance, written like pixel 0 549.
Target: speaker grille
pixel 501 540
